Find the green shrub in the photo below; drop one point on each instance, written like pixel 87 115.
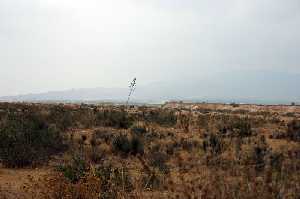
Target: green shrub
pixel 121 144
pixel 26 138
pixel 243 126
pixel 259 154
pixel 137 146
pixel 60 117
pixel 213 144
pixel 94 153
pixel 162 117
pixel 75 170
pixel 103 135
pixel 113 118
pixel 293 131
pixel 138 130
pixel 127 146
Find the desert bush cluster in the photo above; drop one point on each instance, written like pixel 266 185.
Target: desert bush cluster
pixel 152 152
pixel 27 138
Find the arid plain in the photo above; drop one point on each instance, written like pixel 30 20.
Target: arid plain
pixel 174 150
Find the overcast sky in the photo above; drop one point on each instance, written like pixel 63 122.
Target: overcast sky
pixel 61 44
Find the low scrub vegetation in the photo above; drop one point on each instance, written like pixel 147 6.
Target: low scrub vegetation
pixel 134 145
pixel 108 152
pixel 27 138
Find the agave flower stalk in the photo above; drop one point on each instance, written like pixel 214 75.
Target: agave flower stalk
pixel 132 87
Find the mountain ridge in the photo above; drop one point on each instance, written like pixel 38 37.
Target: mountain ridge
pixel 240 87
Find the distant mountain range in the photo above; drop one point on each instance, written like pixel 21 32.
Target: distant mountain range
pixel 261 87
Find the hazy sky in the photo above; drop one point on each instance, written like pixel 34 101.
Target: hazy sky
pixel 60 44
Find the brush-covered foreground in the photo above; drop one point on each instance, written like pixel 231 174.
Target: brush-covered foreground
pixel 174 151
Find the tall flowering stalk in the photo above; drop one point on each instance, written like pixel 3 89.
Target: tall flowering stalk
pixel 132 87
